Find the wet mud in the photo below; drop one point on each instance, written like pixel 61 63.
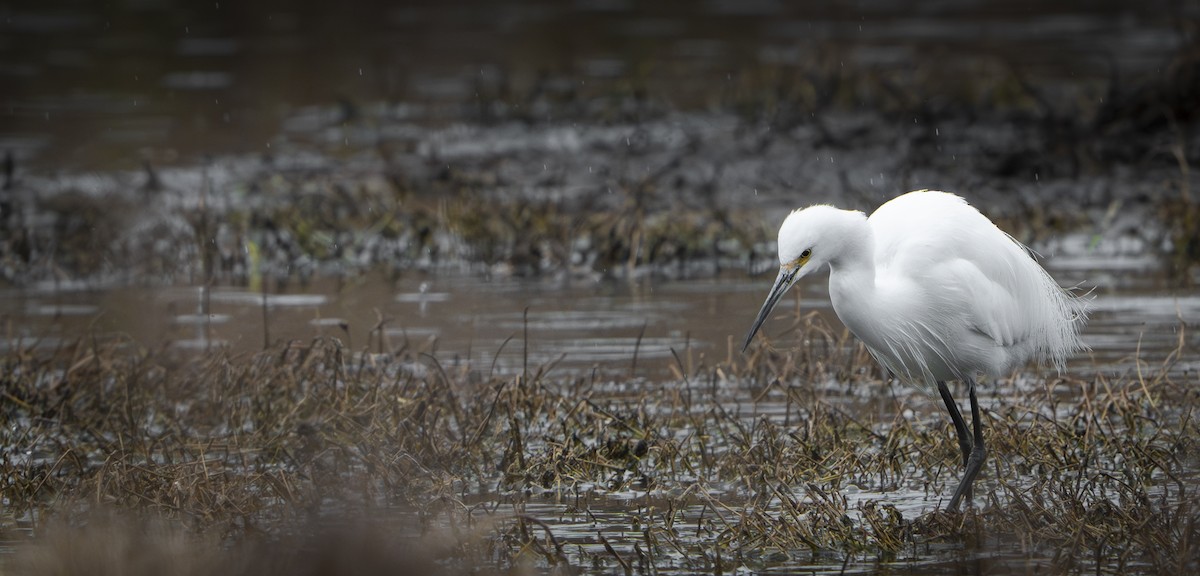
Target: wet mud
pixel 479 312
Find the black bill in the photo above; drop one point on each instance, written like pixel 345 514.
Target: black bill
pixel 782 283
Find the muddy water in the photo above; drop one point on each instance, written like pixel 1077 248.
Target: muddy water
pixel 581 326
pixel 98 86
pixel 644 328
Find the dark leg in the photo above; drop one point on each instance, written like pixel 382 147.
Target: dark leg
pixel 964 439
pixel 978 452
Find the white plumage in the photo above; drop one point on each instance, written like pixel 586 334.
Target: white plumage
pixel 936 292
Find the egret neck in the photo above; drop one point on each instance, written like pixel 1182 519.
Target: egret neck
pixel 852 288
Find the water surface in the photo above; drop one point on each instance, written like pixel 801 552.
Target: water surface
pixel 642 327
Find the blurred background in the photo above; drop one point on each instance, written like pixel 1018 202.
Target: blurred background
pixel 421 173
pixel 440 196
pixel 103 85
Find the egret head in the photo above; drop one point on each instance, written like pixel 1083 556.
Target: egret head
pixel 808 239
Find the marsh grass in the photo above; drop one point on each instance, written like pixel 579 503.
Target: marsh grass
pixel 125 458
pixel 525 203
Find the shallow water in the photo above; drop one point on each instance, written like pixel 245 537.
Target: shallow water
pixel 94 86
pixel 586 327
pixel 396 95
pixel 638 328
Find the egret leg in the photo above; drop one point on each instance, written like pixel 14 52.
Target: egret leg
pixel 978 451
pixel 964 438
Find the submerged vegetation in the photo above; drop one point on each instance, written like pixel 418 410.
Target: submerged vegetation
pixel 797 459
pixel 315 457
pixel 624 177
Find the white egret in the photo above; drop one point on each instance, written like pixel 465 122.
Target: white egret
pixel 936 292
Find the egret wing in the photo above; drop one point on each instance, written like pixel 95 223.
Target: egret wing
pixel 977 278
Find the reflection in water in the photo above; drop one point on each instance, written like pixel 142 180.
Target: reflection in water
pixel 90 87
pixel 577 326
pixel 98 86
pixel 586 328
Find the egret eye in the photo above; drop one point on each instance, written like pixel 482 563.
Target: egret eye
pixel 806 253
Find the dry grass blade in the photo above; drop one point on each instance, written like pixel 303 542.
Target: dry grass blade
pixel 769 462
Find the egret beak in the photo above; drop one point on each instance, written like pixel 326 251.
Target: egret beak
pixel 786 278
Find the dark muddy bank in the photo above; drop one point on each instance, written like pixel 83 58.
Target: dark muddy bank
pixel 102 87
pixel 575 144
pixel 678 194
pixel 635 152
